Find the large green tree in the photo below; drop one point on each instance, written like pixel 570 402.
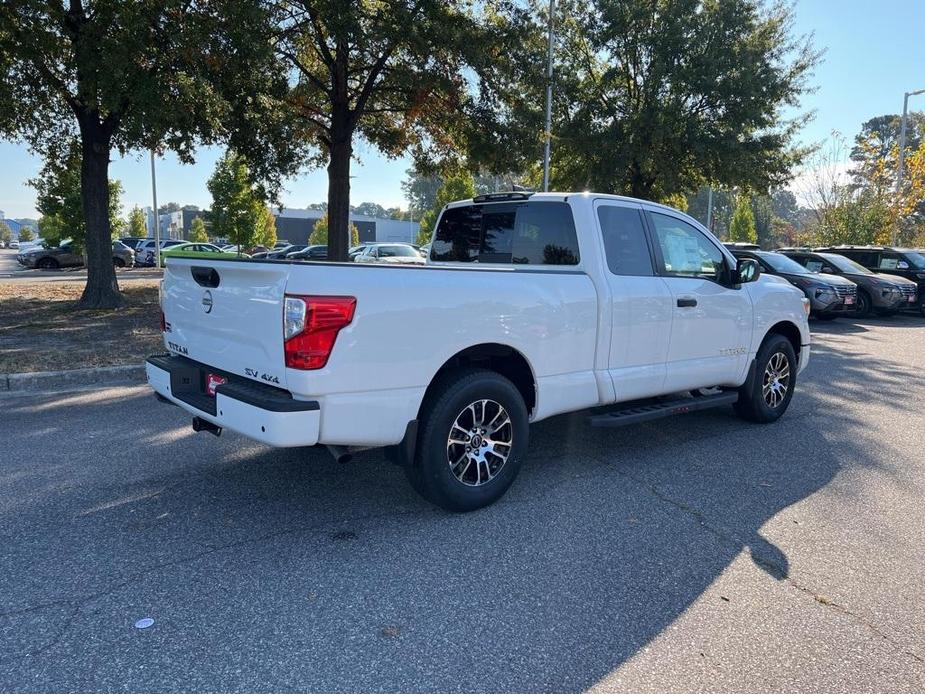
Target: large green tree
pixel 6 234
pixel 239 211
pixel 657 97
pixel 137 223
pixel 399 74
pixel 60 200
pixel 742 227
pixel 146 74
pixel 197 231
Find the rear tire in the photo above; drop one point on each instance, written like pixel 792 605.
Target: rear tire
pixel 118 262
pixel 47 264
pixel 473 435
pixel 768 395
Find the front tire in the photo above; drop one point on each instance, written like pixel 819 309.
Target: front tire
pixel 766 397
pixel 47 264
pixel 865 305
pixel 473 435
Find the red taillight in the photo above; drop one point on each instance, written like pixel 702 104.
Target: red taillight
pixel 310 325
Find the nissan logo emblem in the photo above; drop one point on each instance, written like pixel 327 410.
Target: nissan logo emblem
pixel 207 301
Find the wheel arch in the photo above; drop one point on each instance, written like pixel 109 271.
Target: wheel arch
pixel 789 330
pixel 502 359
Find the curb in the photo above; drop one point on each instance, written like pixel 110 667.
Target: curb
pixel 54 381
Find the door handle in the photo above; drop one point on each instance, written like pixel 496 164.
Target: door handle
pixel 687 302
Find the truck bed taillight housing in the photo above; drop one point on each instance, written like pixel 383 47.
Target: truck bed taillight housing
pixel 310 327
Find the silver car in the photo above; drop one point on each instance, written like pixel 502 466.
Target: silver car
pixel 390 253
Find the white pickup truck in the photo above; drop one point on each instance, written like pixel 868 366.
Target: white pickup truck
pixel 530 305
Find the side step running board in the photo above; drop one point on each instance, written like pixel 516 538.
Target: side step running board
pixel 634 414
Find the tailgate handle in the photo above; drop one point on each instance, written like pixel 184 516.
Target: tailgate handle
pixel 205 276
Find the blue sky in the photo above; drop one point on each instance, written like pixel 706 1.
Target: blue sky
pixel 873 55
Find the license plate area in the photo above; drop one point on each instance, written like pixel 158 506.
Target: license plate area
pixel 849 301
pixel 213 381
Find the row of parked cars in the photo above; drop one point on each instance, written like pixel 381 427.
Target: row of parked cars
pixel 848 280
pixel 377 252
pixel 374 252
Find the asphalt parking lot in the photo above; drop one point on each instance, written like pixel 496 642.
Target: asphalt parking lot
pixel 11 271
pixel 695 554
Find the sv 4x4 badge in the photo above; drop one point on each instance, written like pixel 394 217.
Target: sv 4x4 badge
pixel 263 377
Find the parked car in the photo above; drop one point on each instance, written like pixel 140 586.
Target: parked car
pixel 880 294
pixel 194 250
pixel 394 253
pixel 829 296
pixel 14 244
pixel 282 253
pixel 901 262
pixel 530 305
pixel 122 254
pixel 355 251
pixel 132 241
pixel 316 252
pixel 48 257
pixel 144 251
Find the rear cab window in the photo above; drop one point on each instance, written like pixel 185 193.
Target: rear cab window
pixel 517 233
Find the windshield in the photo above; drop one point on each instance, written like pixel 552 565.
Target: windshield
pixel 917 259
pixel 392 251
pixel 781 263
pixel 845 264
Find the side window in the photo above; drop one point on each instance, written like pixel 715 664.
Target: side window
pixel 497 234
pixel 686 252
pixel 544 234
pixel 889 261
pixel 812 265
pixel 532 233
pixel 458 235
pixel 625 241
pixel 868 259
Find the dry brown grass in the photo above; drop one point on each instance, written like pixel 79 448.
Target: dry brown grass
pixel 40 329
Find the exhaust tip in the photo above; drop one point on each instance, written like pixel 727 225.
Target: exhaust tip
pixel 341 454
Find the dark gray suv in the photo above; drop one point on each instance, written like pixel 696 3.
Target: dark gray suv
pixel 829 296
pixel 47 257
pixel 880 294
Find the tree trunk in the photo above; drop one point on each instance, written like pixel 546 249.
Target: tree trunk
pixel 101 291
pixel 341 151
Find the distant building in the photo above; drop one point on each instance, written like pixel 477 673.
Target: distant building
pixel 12 224
pixel 296 225
pixel 174 225
pixel 293 225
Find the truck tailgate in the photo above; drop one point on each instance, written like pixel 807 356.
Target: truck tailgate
pixel 227 314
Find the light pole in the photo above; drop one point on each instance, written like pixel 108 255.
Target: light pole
pixel 902 152
pixel 710 208
pixel 552 14
pixel 157 219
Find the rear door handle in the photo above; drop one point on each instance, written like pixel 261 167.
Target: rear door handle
pixel 687 302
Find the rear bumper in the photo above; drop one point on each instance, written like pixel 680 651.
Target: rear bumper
pixel 265 414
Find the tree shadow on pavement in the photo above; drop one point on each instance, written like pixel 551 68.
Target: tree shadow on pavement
pixel 268 569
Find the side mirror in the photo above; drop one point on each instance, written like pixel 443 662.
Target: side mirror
pixel 902 265
pixel 826 271
pixel 747 270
